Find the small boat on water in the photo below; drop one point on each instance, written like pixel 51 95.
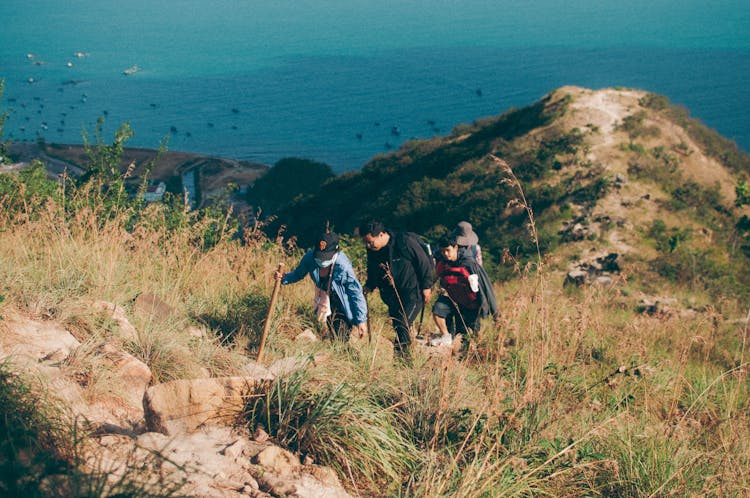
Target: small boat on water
pixel 81 54
pixel 131 70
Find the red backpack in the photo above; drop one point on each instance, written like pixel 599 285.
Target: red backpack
pixel 455 281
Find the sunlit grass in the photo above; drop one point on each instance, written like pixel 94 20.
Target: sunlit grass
pixel 569 393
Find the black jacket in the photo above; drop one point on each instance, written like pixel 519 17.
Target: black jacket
pixel 409 265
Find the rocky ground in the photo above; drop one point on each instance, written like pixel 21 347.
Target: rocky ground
pixel 184 431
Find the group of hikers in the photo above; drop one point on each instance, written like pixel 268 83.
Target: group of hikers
pixel 403 269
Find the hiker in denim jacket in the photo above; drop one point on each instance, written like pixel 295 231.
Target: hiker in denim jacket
pixel 339 300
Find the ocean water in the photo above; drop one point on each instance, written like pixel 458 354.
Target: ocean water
pixel 341 81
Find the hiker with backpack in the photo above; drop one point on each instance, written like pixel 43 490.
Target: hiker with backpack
pixel 400 268
pixel 466 237
pixel 339 300
pixel 466 296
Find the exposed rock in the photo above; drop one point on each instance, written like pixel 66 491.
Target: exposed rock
pixel 287 366
pixel 257 371
pixel 307 335
pixel 195 449
pixel 41 348
pixel 117 313
pixel 153 306
pixel 278 461
pixel 304 486
pixel 186 404
pixel 36 341
pixel 260 435
pixel 196 331
pixel 197 461
pixel 598 269
pixel 656 305
pixel 135 375
pixel 326 475
pixel 603 281
pixel 576 277
pixel 575 230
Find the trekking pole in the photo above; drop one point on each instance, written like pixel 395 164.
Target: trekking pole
pixel 271 306
pixel 369 328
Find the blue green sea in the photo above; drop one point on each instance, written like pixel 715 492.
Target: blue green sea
pixel 339 81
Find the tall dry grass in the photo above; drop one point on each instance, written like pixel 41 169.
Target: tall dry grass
pixel 568 394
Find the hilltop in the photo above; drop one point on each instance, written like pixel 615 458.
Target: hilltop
pixel 604 171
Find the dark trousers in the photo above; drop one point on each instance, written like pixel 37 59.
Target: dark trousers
pixel 338 325
pixel 460 320
pixel 401 319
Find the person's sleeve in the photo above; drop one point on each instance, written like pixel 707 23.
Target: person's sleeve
pixel 488 291
pixel 298 273
pixel 421 262
pixel 371 280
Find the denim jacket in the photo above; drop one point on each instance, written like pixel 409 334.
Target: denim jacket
pixel 344 283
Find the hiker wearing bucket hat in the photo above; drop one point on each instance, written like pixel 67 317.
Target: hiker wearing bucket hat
pixel 339 300
pixel 466 237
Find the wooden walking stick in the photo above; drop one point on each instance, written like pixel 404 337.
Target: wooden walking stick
pixel 369 329
pixel 271 306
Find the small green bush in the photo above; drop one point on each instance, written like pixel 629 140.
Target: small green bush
pixel 340 425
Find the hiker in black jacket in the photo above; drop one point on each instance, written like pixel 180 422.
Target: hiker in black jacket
pixel 400 268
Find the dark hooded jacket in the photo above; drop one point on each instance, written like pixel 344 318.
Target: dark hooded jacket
pixel 409 265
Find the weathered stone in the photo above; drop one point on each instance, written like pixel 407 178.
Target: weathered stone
pixel 236 449
pixel 257 371
pixel 117 313
pixel 325 475
pixel 306 335
pixel 279 461
pixel 210 461
pixel 576 277
pixel 35 340
pixel 134 374
pixel 153 306
pixel 609 262
pixel 302 486
pixel 196 331
pixel 186 404
pixel 656 305
pixel 603 281
pixel 287 366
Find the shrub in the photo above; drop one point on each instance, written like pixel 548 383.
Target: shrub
pixel 340 425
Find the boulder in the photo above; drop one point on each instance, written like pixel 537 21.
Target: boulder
pixel 36 341
pixel 257 371
pixel 134 374
pixel 117 313
pixel 279 461
pixel 152 306
pixel 576 277
pixel 306 335
pixel 597 269
pixel 285 367
pixel 184 405
pixel 656 305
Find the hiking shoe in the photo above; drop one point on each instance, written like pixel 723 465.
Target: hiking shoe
pixel 442 340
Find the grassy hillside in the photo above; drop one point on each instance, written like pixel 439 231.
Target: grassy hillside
pixel 572 393
pixel 635 171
